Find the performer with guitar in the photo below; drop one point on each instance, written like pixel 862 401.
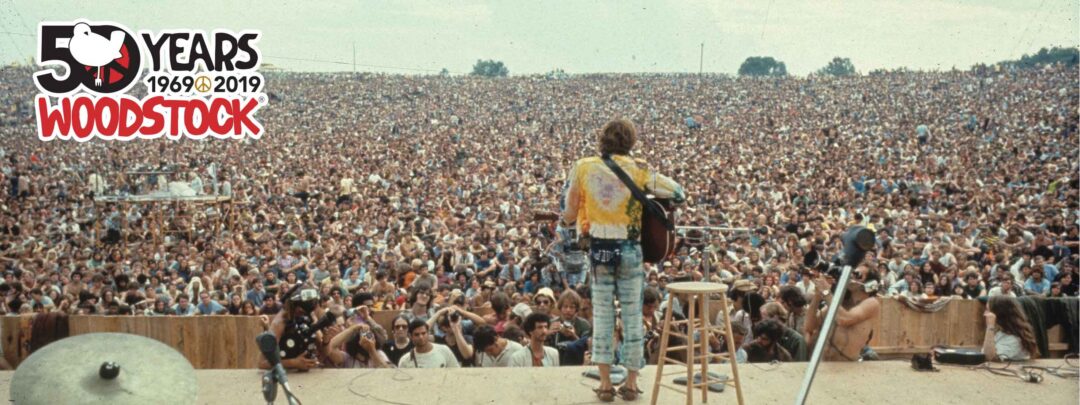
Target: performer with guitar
pixel 604 201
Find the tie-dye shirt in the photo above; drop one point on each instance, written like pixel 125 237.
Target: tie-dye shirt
pixel 602 206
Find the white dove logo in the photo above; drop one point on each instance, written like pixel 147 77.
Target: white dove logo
pixel 95 50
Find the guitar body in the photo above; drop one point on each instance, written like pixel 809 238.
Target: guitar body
pixel 657 240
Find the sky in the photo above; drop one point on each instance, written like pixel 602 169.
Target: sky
pixel 589 36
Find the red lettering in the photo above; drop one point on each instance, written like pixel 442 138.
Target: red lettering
pixel 58 118
pixel 128 108
pixel 243 117
pixel 107 128
pixel 150 112
pixel 82 116
pixel 220 110
pixel 196 108
pixel 174 107
pixel 124 118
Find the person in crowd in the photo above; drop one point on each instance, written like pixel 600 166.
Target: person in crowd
pixel 209 306
pixel 420 305
pixel 400 343
pixel 766 345
pixel 449 324
pixel 535 353
pixel 855 319
pixel 568 326
pixel 1009 336
pixel 1036 284
pixel 794 302
pixel 790 339
pixel 183 306
pixel 357 347
pixel 425 353
pixel 493 350
pixel 1006 286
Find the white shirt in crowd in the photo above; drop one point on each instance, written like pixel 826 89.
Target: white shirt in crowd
pixel 439 357
pixel 503 359
pixel 996 291
pixel 1009 347
pixel 523 357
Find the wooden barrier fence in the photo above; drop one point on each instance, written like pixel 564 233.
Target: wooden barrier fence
pixel 208 342
pixel 228 342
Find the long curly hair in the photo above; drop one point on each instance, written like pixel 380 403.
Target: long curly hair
pixel 1012 320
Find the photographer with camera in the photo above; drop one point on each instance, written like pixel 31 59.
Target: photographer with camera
pixel 297 334
pixel 361 348
pixel 451 332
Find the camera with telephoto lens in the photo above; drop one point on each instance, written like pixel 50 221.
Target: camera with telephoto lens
pixel 455 316
pixel 300 332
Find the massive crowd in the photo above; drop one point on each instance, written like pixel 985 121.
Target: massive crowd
pixel 419 193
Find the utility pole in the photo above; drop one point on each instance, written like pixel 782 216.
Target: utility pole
pixel 354 57
pixel 701 60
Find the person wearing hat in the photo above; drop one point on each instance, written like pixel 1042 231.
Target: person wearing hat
pixel 544 301
pixel 604 212
pixel 483 297
pixel 520 311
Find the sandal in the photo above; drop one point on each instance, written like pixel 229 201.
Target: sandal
pixel 629 394
pixel 607 395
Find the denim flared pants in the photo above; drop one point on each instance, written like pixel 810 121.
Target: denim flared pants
pixel 618 274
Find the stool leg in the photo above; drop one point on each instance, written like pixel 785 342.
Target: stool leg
pixel 705 348
pixel 662 358
pixel 690 349
pixel 731 350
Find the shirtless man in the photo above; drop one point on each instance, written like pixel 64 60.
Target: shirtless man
pixel 854 319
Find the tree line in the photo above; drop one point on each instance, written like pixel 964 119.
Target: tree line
pixel 767 66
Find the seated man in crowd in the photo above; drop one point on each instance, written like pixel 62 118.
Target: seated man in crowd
pixel 790 339
pixel 183 306
pixel 208 306
pixel 536 354
pixel 570 326
pixel 425 353
pixel 492 350
pixel 766 346
pixel 854 319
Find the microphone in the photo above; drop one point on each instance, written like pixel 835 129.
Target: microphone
pixel 268 346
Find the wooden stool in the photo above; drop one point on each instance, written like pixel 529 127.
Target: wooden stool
pixel 697 293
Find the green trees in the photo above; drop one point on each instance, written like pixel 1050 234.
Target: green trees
pixel 1068 56
pixel 490 68
pixel 762 66
pixel 838 67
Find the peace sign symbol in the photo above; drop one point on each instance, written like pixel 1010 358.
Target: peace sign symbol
pixel 202 84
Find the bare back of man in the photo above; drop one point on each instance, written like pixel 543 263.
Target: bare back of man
pixel 855 320
pixel 851 335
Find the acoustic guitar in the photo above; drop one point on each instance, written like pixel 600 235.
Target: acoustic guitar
pixel 658 238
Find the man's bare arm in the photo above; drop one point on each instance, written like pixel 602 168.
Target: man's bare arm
pixel 866 309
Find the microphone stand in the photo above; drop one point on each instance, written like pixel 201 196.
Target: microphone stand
pixel 270 381
pixel 823 335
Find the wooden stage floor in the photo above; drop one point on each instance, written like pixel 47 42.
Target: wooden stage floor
pixel 884 382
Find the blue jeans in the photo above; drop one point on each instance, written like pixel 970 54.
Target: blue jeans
pixel 624 278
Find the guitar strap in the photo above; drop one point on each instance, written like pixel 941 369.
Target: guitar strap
pixel 637 193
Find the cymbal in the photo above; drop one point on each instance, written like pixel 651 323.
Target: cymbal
pixel 70 371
